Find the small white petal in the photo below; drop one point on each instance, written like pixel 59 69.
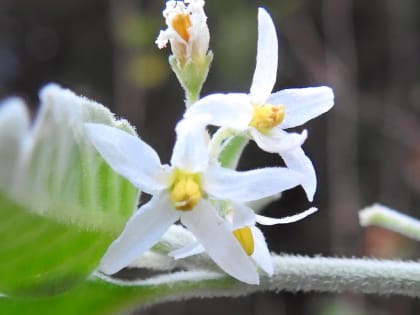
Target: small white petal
pixel 142 231
pixel 261 254
pixel 278 140
pixel 267 55
pixel 199 31
pixel 297 160
pixel 250 185
pixel 233 110
pixel 187 251
pixel 242 215
pixel 285 220
pixel 129 156
pixel 162 39
pixel 191 146
pixel 303 104
pixel 215 235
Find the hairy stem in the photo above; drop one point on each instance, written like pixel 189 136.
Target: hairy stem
pixel 297 273
pixel 393 220
pixel 231 150
pixel 300 274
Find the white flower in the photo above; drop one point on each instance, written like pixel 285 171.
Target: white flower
pixel 181 192
pixel 251 240
pixel 262 115
pixel 248 235
pixel 187 30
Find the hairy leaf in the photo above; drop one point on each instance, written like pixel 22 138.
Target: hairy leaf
pixel 60 204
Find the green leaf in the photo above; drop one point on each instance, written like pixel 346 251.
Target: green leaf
pixel 98 297
pixel 60 204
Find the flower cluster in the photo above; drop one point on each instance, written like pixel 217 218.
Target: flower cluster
pixel 199 189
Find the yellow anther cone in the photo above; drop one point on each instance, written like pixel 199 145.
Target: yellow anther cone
pixel 267 116
pixel 245 238
pixel 185 191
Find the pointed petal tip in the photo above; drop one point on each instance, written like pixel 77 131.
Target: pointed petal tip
pixel 328 91
pixel 310 196
pixel 263 13
pixel 261 254
pixel 265 72
pixel 268 268
pixel 285 220
pixel 251 278
pixel 328 96
pixel 254 280
pixel 310 188
pixel 312 210
pixel 187 251
pixel 309 191
pixel 108 267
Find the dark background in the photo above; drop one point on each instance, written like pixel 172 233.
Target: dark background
pixel 365 150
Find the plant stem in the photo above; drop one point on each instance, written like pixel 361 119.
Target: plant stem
pixel 298 274
pixel 231 149
pixel 393 220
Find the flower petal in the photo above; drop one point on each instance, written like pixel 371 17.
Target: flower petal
pixel 129 156
pixel 260 204
pixel 278 140
pixel 297 160
pixel 250 185
pixel 187 251
pixel 261 254
pixel 267 55
pixel 142 231
pixel 303 104
pixel 233 110
pixel 242 215
pixel 285 220
pixel 191 146
pixel 216 237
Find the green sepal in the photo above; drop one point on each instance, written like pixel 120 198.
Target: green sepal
pixel 192 75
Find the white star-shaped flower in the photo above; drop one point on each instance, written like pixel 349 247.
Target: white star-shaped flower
pixel 264 116
pixel 182 192
pixel 243 226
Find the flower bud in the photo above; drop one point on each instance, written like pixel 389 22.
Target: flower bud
pixel 187 32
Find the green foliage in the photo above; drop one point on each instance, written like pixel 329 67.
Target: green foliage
pixel 60 203
pixel 99 297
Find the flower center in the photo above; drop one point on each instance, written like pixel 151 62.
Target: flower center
pixel 267 116
pixel 244 237
pixel 185 191
pixel 181 23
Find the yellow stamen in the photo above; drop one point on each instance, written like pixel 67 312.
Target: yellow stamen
pixel 181 23
pixel 244 237
pixel 267 116
pixel 185 191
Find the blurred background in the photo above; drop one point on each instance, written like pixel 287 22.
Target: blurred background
pixel 365 150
